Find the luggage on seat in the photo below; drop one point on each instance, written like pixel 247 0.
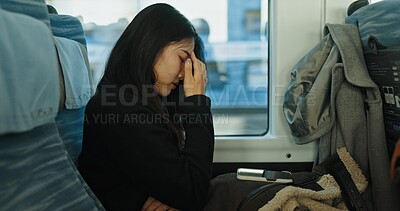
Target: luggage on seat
pixel 379 30
pixel 334 184
pixel 332 100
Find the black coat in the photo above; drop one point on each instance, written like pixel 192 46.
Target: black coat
pixel 129 154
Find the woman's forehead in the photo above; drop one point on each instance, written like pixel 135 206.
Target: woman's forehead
pixel 186 45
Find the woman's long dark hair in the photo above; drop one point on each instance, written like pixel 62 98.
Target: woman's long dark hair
pixel 133 57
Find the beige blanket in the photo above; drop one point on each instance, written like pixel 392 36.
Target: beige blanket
pixel 328 199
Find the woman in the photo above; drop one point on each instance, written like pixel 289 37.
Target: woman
pixel 148 134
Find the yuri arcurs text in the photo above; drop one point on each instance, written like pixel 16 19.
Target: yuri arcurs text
pixel 117 118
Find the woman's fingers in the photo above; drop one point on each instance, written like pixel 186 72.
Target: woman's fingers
pixel 198 66
pixel 148 202
pixel 200 73
pixel 152 204
pixel 188 70
pixel 163 208
pixel 195 76
pixel 188 80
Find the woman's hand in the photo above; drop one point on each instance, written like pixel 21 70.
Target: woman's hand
pixel 153 204
pixel 195 76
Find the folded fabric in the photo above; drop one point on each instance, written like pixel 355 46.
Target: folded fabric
pixel 77 78
pixel 28 73
pixel 34 8
pixel 68 27
pixel 328 199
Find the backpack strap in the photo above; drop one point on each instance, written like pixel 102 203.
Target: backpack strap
pixel 350 194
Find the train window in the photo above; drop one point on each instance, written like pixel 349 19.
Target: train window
pixel 235 34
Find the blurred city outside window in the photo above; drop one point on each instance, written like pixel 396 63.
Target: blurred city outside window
pixel 235 33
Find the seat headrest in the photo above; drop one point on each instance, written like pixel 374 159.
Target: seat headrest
pixel 378 21
pixel 68 27
pixel 34 8
pixel 28 73
pixel 356 5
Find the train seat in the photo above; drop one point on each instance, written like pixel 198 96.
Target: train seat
pixel 36 172
pixel 76 80
pixel 77 92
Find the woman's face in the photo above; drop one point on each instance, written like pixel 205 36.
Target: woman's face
pixel 170 64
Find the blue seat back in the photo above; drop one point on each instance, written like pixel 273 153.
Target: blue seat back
pixel 36 172
pixel 76 78
pixel 28 73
